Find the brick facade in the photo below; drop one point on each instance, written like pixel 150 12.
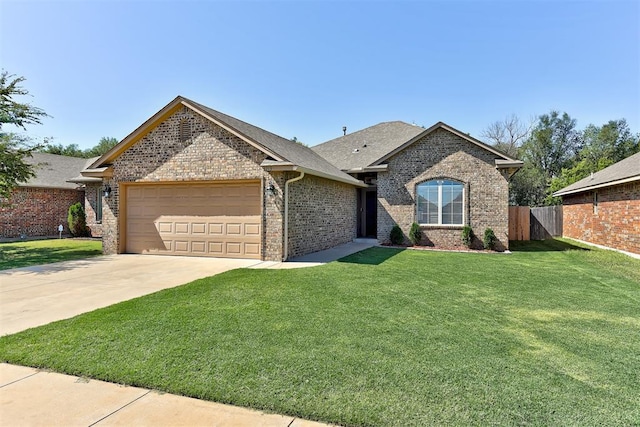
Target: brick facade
pixel 443 155
pixel 615 223
pixel 37 211
pixel 212 153
pixel 322 214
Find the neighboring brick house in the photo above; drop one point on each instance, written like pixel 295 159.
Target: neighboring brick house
pixel 38 207
pixel 194 181
pixel 604 208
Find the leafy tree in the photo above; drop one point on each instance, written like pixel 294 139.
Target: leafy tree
pixel 553 143
pixel 14 112
pixel 70 150
pixel 601 147
pixel 608 144
pixel 105 144
pixel 528 186
pixel 14 149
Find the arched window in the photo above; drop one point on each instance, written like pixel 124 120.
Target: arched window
pixel 440 202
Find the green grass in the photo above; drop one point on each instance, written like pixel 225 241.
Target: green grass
pixel 36 252
pixel 549 335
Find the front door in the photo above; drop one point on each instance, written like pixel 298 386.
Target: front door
pixel 368 212
pixel 371 213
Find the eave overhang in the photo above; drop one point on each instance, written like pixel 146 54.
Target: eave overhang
pixel 597 186
pixel 277 166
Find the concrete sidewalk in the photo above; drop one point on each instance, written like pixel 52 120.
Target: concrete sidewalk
pixel 29 397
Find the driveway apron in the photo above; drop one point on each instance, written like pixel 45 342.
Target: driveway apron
pixel 34 296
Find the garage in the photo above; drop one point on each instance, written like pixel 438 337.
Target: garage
pixel 212 219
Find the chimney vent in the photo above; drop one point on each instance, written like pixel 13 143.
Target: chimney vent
pixel 344 130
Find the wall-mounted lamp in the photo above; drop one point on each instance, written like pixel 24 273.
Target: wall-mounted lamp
pixel 107 191
pixel 272 190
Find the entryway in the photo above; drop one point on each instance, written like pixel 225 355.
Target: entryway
pixel 368 212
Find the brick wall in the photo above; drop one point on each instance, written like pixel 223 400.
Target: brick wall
pixel 211 153
pixel 442 155
pixel 616 224
pixel 91 205
pixel 34 211
pixel 322 214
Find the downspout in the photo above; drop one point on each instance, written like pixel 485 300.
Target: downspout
pixel 286 214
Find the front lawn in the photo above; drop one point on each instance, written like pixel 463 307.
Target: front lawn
pixel 549 335
pixel 36 252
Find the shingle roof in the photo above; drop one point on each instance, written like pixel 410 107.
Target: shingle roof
pixel 85 179
pixel 625 170
pixel 359 149
pixel 286 153
pixel 53 171
pixel 288 150
pixel 373 145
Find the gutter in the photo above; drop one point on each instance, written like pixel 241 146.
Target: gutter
pixel 271 165
pixel 286 214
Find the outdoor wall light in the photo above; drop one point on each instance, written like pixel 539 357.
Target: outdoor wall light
pixel 107 191
pixel 271 189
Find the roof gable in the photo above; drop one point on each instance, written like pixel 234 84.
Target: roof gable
pixel 626 170
pixel 442 125
pixel 372 146
pixel 280 149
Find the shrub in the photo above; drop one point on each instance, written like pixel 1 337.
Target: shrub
pixel 77 220
pixel 467 236
pixel 489 239
pixel 396 236
pixel 415 234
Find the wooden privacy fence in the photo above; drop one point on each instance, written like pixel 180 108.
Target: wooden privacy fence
pixel 534 223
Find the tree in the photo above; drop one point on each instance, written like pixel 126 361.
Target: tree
pixel 105 144
pixel 70 150
pixel 507 135
pixel 14 149
pixel 553 143
pixel 600 147
pixel 528 186
pixel 11 111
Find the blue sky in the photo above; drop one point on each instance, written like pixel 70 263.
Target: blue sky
pixel 307 68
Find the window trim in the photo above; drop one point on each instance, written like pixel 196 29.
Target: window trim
pixel 440 224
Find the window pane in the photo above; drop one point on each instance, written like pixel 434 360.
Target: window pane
pixel 449 206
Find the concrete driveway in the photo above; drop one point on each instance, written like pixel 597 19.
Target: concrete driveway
pixel 34 296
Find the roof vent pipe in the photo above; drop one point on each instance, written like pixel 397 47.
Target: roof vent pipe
pixel 344 130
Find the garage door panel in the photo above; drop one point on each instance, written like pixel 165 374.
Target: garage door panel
pixel 219 220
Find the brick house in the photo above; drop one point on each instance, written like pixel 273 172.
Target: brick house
pixel 38 207
pixel 194 181
pixel 438 177
pixel 604 208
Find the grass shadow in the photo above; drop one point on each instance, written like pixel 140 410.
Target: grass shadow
pixel 20 255
pixel 548 245
pixel 371 256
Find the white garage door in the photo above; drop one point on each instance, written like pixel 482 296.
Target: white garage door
pixel 216 220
